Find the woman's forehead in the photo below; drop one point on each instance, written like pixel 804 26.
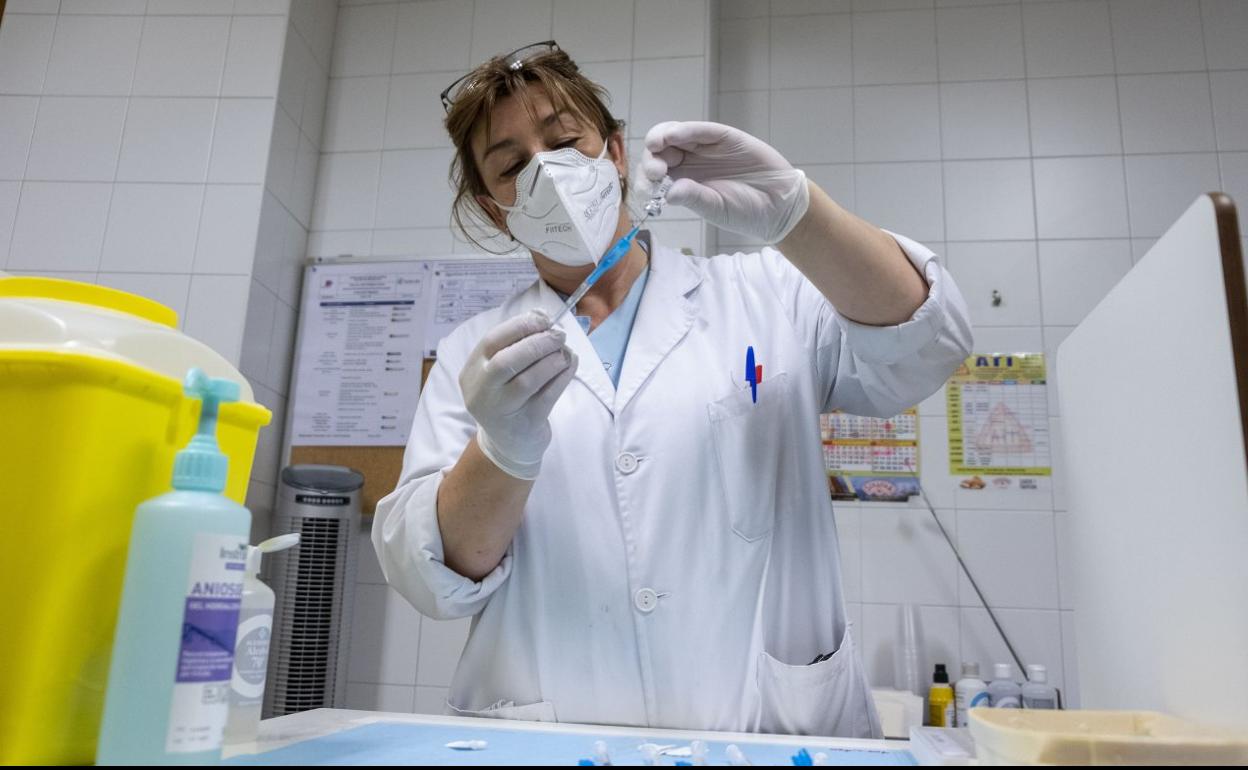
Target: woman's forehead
pixel 514 116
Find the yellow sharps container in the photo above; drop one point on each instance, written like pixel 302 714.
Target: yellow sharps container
pixel 91 415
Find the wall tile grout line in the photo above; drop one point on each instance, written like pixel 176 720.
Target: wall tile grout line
pixel 121 144
pixel 144 14
pixel 937 79
pixel 212 138
pixel 21 192
pixel 1122 132
pixel 1200 9
pixel 944 205
pixel 1049 365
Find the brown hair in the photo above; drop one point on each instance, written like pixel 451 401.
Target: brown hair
pixel 485 87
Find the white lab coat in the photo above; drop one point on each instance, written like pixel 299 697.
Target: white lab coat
pixel 677 565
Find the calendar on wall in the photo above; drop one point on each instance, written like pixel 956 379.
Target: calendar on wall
pixel 871 458
pixel 998 409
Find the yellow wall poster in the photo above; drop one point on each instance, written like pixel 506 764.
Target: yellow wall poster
pixel 999 419
pixel 871 458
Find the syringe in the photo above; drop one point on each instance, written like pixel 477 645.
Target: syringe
pixel 654 207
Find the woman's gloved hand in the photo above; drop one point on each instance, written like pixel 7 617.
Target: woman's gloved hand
pixel 510 383
pixel 727 177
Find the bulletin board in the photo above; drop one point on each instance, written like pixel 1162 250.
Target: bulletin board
pixel 367 336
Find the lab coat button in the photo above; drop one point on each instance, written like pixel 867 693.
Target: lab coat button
pixel 626 463
pixel 646 600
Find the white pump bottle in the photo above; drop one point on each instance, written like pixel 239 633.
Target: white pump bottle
pixel 251 649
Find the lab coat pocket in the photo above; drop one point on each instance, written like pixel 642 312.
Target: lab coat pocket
pixel 543 711
pixel 747 435
pixel 830 698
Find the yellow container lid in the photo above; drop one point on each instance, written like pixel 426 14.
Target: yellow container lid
pixel 41 314
pixel 88 294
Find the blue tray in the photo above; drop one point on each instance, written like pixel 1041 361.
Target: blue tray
pixel 406 743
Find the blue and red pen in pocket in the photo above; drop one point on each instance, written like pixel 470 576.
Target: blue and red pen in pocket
pixel 753 373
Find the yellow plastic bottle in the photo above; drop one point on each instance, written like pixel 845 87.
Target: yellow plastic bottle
pixel 940 699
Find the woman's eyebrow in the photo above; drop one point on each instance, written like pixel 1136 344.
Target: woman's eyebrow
pixel 498 146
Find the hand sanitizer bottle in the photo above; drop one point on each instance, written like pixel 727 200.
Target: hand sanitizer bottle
pixel 168 685
pixel 1003 691
pixel 251 651
pixel 1037 692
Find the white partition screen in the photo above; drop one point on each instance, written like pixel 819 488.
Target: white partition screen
pixel 1152 387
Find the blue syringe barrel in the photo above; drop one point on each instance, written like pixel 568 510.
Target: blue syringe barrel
pixel 606 263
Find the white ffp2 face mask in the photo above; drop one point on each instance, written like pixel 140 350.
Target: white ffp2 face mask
pixel 567 206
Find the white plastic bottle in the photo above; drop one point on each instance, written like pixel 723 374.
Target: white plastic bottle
pixel 251 650
pixel 1003 691
pixel 1037 692
pixel 970 692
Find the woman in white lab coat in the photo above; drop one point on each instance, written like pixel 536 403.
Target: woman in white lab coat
pixel 637 521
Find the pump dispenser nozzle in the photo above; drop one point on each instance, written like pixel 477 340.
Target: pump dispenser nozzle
pixel 201 465
pixel 279 543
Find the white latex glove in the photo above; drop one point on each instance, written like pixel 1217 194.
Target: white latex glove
pixel 510 383
pixel 727 177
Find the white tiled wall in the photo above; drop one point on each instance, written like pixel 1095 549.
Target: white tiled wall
pixel 382 191
pixel 133 137
pixel 280 213
pixel 1041 147
pixel 146 145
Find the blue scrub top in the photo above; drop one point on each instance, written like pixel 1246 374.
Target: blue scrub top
pixel 610 339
